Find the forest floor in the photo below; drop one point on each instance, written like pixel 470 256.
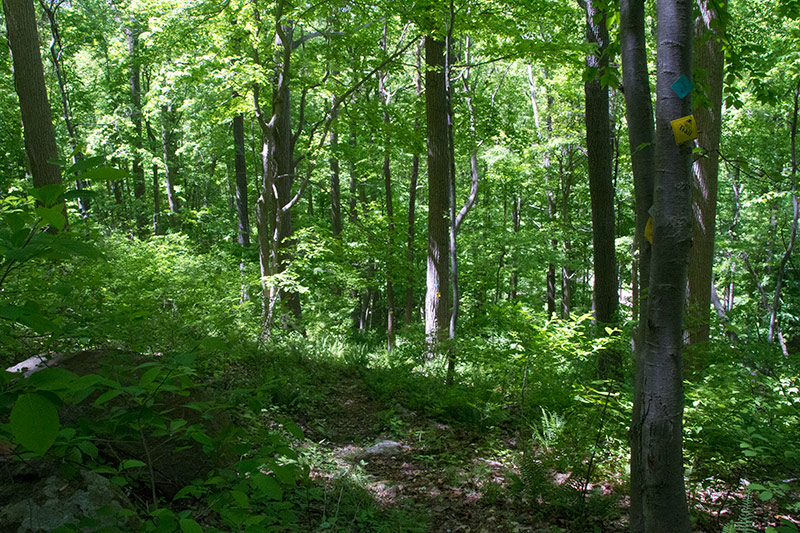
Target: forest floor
pixel 421 474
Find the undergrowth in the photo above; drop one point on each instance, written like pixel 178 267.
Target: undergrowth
pixel 184 377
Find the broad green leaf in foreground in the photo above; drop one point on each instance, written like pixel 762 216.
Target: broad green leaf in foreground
pixel 34 422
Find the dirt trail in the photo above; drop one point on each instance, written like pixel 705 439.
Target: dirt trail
pixel 408 462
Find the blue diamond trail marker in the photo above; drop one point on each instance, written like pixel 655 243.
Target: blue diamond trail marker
pixel 683 86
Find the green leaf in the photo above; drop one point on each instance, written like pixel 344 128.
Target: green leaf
pixel 85 194
pixel 34 422
pixel 53 216
pixel 27 315
pixel 268 486
pixel 84 164
pixel 189 490
pixel 104 173
pixel 286 474
pixel 48 195
pixel 295 430
pixel 149 376
pixel 766 495
pixel 52 379
pixel 213 343
pixel 240 498
pixel 131 463
pixel 190 526
pixel 88 448
pixel 107 396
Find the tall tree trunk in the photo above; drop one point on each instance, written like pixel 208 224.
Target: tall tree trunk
pixel 412 199
pixel 437 308
pixel 40 139
pixel 132 32
pixel 774 327
pixel 157 230
pixel 641 138
pixel 336 196
pixel 412 202
pixel 601 186
pixel 240 171
pixel 56 50
pixel 387 181
pixel 168 154
pixel 282 170
pixel 708 58
pixel 657 429
pixel 516 224
pixel 551 196
pixel 457 217
pixel 567 274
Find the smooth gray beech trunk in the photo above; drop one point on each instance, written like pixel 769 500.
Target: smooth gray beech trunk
pixel 39 136
pixel 709 59
pixel 437 295
pixel 656 430
pixel 641 136
pixel 601 186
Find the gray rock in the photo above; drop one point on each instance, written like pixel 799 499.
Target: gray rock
pixel 383 448
pixel 54 502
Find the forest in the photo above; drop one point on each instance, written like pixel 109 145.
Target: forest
pixel 435 265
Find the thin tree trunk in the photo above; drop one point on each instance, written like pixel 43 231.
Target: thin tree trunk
pixel 240 171
pixel 641 138
pixel 567 273
pixel 169 157
pixel 156 203
pixel 516 224
pixel 412 199
pixel 387 181
pixel 132 32
pixel 601 187
pixel 56 50
pixel 774 328
pixel 336 196
pixel 457 218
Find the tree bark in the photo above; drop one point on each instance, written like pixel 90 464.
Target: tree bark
pixel 774 327
pixel 657 428
pixel 240 171
pixel 601 186
pixel 641 138
pixel 132 32
pixel 708 58
pixel 156 203
pixel 56 49
pixel 387 182
pixel 567 274
pixel 437 308
pixel 336 195
pixel 278 165
pixel 39 136
pixel 168 154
